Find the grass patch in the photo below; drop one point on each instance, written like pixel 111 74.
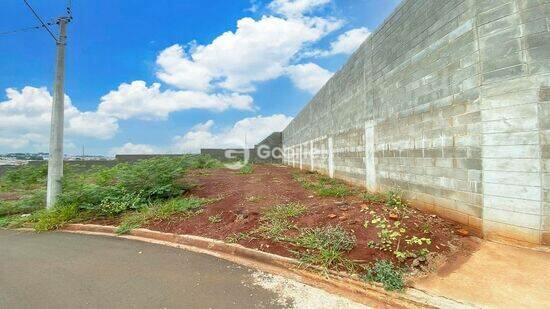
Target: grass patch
pixel 246 169
pixel 386 273
pixel 275 222
pixel 322 185
pixel 326 247
pixel 34 201
pixel 55 218
pixel 373 197
pixel 178 206
pixel 236 237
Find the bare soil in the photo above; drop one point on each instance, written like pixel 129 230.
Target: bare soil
pixel 243 199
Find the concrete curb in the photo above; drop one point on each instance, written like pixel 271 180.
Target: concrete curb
pixel 337 283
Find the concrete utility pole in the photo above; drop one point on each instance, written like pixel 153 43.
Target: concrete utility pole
pixel 55 160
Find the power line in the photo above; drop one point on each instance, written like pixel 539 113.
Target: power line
pixel 40 20
pixel 24 29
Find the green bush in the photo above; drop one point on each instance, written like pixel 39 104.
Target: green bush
pixel 386 273
pixel 115 205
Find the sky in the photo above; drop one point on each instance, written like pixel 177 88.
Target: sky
pixel 172 76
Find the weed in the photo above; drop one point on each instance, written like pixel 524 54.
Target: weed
pixel 275 221
pixel 186 206
pixel 215 219
pixel 386 273
pixel 132 221
pixel 323 186
pixel 373 197
pixel 418 241
pixel 394 200
pixel 326 247
pixel 235 238
pixel 25 177
pixel 329 237
pixel 246 169
pixel 55 218
pixel 28 204
pixel 334 190
pixel 115 205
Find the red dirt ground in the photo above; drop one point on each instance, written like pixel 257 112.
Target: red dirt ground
pixel 243 198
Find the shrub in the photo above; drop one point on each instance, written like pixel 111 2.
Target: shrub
pixel 386 273
pixel 115 205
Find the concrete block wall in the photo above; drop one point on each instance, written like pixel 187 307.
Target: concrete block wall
pixel 450 102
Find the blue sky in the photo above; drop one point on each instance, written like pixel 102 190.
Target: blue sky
pixel 173 76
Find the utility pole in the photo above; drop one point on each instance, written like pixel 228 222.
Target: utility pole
pixel 55 161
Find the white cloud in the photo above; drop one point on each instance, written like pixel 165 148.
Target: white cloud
pixel 130 148
pixel 137 100
pixel 309 77
pixel 292 8
pixel 259 50
pixel 25 119
pixel 346 43
pixel 254 129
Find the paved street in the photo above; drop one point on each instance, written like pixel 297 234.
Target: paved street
pixel 60 270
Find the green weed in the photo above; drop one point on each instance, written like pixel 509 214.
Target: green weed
pixel 326 247
pixel 276 220
pixel 386 273
pixel 55 218
pixel 246 169
pixel 235 238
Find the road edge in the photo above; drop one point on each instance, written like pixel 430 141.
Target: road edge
pixel 336 283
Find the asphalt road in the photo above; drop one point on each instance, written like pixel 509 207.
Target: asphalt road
pixel 60 270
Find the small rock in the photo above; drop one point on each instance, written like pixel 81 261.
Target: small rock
pixel 332 216
pixel 343 217
pixel 25 215
pixel 463 232
pixel 311 196
pixel 339 203
pixel 394 216
pixel 343 208
pixel 364 207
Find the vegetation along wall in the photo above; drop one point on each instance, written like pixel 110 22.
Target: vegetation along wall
pixel 448 100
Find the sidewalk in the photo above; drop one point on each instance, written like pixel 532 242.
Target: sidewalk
pixel 494 276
